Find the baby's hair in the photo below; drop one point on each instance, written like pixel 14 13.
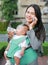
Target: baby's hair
pixel 21 25
pixel 26 26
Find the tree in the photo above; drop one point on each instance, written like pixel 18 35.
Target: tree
pixel 8 8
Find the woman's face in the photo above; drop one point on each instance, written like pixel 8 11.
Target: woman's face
pixel 30 14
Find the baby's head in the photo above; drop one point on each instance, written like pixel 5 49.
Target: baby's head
pixel 22 29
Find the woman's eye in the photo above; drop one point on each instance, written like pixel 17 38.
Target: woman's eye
pixel 27 11
pixel 31 13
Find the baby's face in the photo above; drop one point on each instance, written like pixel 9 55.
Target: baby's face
pixel 22 30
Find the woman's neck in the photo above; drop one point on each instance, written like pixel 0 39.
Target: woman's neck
pixel 29 23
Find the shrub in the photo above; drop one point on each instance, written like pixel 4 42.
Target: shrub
pixel 15 24
pixel 3 26
pixel 3 45
pixel 45 48
pixel 3 32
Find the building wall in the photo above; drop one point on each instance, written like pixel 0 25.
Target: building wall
pixel 22 4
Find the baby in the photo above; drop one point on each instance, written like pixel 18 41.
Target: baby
pixel 18 44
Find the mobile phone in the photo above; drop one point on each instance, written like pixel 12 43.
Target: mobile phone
pixel 33 19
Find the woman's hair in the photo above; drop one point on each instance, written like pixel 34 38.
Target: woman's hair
pixel 39 28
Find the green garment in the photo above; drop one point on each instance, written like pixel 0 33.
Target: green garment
pixel 14 46
pixel 29 54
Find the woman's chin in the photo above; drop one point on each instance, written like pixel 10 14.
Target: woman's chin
pixel 29 21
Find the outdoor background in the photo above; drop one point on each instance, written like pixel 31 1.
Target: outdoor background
pixel 12 14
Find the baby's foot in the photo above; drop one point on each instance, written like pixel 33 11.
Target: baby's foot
pixel 8 63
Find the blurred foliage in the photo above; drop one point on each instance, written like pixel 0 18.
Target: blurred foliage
pixel 45 48
pixel 8 7
pixel 3 45
pixel 3 32
pixel 15 24
pixel 3 26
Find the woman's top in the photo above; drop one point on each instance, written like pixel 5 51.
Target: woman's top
pixel 35 43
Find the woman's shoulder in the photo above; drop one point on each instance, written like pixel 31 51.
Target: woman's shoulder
pixel 31 33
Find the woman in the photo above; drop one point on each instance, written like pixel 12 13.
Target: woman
pixel 36 35
pixel 34 20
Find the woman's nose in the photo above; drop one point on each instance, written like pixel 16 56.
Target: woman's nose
pixel 29 15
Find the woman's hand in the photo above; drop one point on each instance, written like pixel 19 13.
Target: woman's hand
pixel 34 21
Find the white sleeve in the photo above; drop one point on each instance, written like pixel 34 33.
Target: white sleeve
pixel 23 44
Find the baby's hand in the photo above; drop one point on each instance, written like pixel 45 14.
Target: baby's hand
pixel 22 53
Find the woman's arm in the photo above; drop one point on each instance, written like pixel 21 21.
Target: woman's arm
pixel 35 43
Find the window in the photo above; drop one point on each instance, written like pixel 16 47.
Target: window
pixel 15 12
